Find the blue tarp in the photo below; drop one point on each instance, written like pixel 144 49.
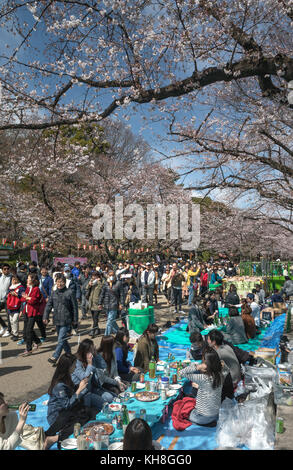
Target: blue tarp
pixel 194 437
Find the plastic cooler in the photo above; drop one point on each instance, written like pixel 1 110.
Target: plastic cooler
pixel 139 320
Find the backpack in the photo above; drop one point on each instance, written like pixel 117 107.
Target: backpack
pixel 13 303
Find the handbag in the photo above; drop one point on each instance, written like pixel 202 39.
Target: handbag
pixel 32 437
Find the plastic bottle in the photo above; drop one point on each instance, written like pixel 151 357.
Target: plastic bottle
pixel 152 368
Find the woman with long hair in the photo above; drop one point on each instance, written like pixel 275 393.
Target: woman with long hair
pixel 92 365
pixel 232 298
pixel 208 377
pixel 248 320
pixel 126 371
pixel 147 348
pixel 138 436
pixel 66 405
pixel 107 351
pixel 235 329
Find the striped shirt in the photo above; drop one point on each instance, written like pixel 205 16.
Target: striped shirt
pixel 208 399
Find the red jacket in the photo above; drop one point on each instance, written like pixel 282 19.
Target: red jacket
pixel 181 412
pixel 204 279
pixel 34 306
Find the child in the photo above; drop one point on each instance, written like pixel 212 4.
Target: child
pixel 14 305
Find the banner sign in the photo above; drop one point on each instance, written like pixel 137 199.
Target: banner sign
pixel 70 261
pixel 34 256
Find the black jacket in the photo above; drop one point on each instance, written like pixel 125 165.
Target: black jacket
pixel 232 298
pixel 112 298
pixel 195 319
pixel 65 307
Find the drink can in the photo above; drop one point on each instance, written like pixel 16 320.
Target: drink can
pixel 142 414
pixel 163 394
pixel 114 421
pixel 153 386
pixel 141 378
pixel 147 386
pixel 76 429
pixel 280 425
pixel 133 386
pixel 174 379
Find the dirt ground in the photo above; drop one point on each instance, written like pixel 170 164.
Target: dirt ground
pixel 27 378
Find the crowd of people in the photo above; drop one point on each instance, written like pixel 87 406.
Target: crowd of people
pixel 84 382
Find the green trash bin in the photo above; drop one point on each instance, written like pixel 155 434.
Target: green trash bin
pixel 139 320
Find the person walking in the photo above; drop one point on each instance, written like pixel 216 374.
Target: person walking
pixel 148 279
pixel 5 281
pixel 93 290
pixel 14 305
pixel 65 316
pixel 33 299
pixel 112 299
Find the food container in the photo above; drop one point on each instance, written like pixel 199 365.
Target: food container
pixel 153 386
pixel 165 383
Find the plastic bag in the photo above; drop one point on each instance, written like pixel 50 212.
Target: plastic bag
pixel 249 425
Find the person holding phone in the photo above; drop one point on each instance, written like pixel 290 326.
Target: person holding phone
pixel 66 403
pixel 11 427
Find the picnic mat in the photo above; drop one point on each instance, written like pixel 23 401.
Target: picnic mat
pixel 175 341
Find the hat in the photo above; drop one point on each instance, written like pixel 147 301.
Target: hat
pixel 67 268
pixel 148 264
pixel 250 296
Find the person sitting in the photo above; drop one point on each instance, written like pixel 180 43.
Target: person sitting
pixel 196 319
pixel 226 354
pixel 126 371
pixel 248 320
pixel 11 427
pixel 255 308
pixel 276 297
pixel 208 377
pixel 91 364
pixel 232 298
pixel 138 436
pixel 287 288
pixel 235 329
pixel 197 346
pixel 107 351
pixel 147 348
pixel 66 406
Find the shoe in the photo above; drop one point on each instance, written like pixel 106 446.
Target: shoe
pixel 42 340
pixel 26 353
pixel 6 334
pixel 14 338
pixel 19 343
pixel 36 346
pixel 52 360
pixel 181 311
pixel 2 331
pixel 74 332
